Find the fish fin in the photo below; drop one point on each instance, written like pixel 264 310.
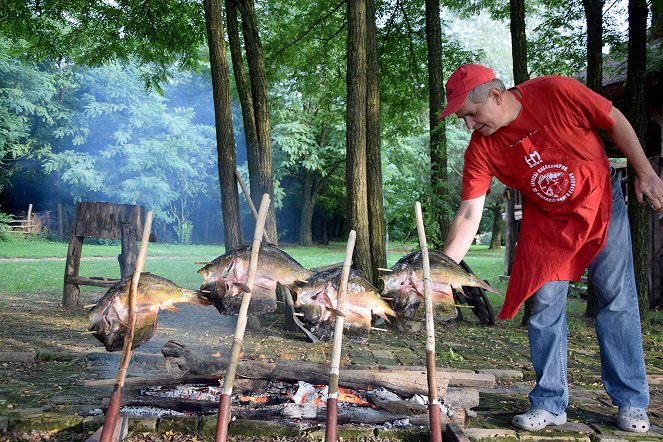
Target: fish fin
pixel 243 287
pixel 459 289
pixel 326 301
pixel 338 312
pixel 489 287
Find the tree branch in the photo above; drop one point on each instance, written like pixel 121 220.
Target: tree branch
pixel 306 32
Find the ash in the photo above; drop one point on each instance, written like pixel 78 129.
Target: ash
pixel 149 412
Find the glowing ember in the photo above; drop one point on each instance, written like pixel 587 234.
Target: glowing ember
pixel 346 395
pixel 254 399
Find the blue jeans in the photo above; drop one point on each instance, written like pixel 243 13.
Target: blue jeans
pixel 617 325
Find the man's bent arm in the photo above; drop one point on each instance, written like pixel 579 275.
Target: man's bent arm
pixel 464 227
pixel 624 137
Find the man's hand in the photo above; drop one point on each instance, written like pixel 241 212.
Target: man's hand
pixel 649 190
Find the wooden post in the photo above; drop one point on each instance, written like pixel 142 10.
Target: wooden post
pixel 60 221
pixel 28 226
pixel 332 395
pixel 71 293
pixel 223 418
pixel 127 257
pixel 511 235
pixel 433 400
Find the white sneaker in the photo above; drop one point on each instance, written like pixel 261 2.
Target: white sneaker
pixel 633 419
pixel 536 419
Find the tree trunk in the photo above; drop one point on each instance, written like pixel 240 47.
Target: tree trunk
pixel 520 74
pixel 306 217
pixel 355 170
pixel 518 41
pixel 594 20
pixel 374 150
pixel 637 114
pixel 263 182
pixel 438 142
pixel 496 237
pixel 245 98
pixel 225 140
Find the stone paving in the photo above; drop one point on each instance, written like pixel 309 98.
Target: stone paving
pixel 591 415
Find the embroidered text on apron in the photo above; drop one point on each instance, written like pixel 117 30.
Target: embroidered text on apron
pixel 566 211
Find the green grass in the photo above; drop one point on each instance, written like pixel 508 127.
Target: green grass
pixel 29 274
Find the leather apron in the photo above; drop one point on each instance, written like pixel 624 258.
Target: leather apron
pixel 567 203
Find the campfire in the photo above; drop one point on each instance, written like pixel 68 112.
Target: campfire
pixel 299 401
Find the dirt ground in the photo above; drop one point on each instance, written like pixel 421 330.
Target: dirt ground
pixel 54 358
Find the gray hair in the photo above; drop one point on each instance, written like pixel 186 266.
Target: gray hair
pixel 481 93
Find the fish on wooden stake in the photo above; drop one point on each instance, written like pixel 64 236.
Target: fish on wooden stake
pixel 404 284
pixel 109 317
pixel 316 300
pixel 226 275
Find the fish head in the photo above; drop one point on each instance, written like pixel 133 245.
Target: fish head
pixel 312 313
pixel 110 324
pixel 314 292
pixel 400 278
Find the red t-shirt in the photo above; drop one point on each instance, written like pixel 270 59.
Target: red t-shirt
pixel 571 110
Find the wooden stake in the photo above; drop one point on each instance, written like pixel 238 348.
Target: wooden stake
pixel 223 418
pixel 116 396
pixel 332 395
pixel 433 400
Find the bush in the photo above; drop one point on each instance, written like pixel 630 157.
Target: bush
pixel 5 230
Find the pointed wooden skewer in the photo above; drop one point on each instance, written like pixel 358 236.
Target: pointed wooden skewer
pixel 384 270
pixel 116 397
pixel 332 395
pixel 433 400
pixel 223 418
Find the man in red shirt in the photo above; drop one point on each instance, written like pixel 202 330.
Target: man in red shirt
pixel 541 138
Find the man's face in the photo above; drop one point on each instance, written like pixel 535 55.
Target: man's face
pixel 484 118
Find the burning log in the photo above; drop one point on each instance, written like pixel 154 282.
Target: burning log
pixel 397 380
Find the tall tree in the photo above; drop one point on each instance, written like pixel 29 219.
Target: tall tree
pixel 374 148
pixel 263 182
pixel 438 142
pixel 518 41
pixel 594 21
pixel 245 97
pixel 225 140
pixel 520 74
pixel 636 111
pixel 355 169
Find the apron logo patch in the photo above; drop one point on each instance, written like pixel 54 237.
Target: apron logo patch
pixel 533 159
pixel 553 183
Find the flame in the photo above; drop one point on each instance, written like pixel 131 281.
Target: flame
pixel 254 399
pixel 347 395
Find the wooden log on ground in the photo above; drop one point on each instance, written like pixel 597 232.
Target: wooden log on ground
pixel 404 382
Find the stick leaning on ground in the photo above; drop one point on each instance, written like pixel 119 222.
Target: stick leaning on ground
pixel 332 391
pixel 433 400
pixel 116 396
pixel 223 418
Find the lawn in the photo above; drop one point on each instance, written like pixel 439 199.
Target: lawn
pixel 37 266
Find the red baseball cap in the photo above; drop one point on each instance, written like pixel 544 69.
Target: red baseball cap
pixel 461 82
